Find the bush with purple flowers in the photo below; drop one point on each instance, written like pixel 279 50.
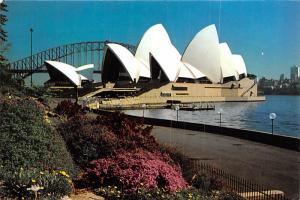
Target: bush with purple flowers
pixel 137 169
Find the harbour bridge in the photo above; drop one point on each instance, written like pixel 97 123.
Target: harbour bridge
pixel 76 54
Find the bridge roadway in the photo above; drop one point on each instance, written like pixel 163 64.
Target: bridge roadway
pixel 266 165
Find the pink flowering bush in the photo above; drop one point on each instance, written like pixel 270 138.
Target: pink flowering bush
pixel 137 169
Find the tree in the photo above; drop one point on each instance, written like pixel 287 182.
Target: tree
pixel 5 77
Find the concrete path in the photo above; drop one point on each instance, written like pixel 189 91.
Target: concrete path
pixel 269 166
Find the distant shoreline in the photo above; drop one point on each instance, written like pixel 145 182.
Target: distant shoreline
pixel 279 94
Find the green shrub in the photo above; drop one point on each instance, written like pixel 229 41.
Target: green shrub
pixel 36 91
pixel 91 138
pixel 85 140
pixel 207 183
pixel 35 184
pixel 69 109
pixel 28 141
pixel 113 193
pixel 228 195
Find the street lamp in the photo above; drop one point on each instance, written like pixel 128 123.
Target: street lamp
pixel 220 113
pixel 176 107
pixel 272 116
pixel 144 107
pixel 31 70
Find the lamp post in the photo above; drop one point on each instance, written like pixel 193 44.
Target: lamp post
pixel 31 70
pixel 144 107
pixel 220 113
pixel 272 116
pixel 177 109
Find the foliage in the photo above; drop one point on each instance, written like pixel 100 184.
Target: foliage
pixel 28 141
pixel 11 87
pixel 5 77
pixel 35 184
pixel 37 91
pixel 132 133
pixel 228 195
pixel 113 192
pixel 179 157
pixel 3 20
pixel 8 84
pixel 126 162
pixel 206 182
pixel 191 193
pixel 68 108
pixel 86 141
pixel 137 169
pixel 91 138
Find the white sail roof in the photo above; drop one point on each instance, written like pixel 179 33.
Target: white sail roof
pixel 203 53
pixel 144 71
pixel 203 57
pixel 67 70
pixel 185 72
pixel 153 39
pixel 83 78
pixel 196 73
pixel 132 65
pixel 169 59
pixel 226 62
pixel 239 64
pixel 84 67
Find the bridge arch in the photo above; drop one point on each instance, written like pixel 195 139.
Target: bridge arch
pixel 75 54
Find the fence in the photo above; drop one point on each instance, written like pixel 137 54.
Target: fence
pixel 243 187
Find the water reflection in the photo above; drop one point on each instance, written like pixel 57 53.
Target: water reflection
pixel 243 115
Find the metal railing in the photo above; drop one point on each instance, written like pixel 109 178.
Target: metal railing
pixel 245 188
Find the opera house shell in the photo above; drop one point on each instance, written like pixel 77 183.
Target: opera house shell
pixel 206 71
pixel 156 58
pixel 65 74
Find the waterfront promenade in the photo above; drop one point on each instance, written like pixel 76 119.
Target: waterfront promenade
pixel 267 165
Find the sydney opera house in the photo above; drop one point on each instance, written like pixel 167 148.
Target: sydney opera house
pixel 156 73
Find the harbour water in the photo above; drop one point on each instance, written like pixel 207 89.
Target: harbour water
pixel 243 115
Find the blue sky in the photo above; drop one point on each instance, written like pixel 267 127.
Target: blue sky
pixel 250 28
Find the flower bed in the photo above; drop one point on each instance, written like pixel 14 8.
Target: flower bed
pixel 137 169
pixel 119 156
pixel 30 143
pixel 35 184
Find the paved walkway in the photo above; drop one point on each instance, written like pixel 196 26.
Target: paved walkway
pixel 269 166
